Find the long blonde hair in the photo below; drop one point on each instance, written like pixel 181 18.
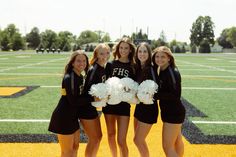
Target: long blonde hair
pixel 96 50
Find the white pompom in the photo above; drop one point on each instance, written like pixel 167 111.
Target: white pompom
pixel 100 91
pixel 129 90
pixel 146 91
pixel 114 90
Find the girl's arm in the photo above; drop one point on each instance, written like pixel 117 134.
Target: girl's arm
pixel 73 97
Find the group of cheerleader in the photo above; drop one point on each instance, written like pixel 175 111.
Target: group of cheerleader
pixel 138 63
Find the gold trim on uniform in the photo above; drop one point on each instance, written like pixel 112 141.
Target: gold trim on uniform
pixel 63 91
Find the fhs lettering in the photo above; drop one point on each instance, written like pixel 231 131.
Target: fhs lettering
pixel 120 72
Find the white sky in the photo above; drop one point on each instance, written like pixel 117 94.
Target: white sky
pixel 117 17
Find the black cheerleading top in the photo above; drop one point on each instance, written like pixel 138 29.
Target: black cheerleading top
pixel 64 119
pixel 119 69
pixel 96 74
pixel 144 74
pixel 169 93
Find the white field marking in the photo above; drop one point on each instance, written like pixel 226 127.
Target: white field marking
pixel 4 58
pixel 50 86
pixel 232 61
pixel 22 56
pixel 55 67
pixel 32 74
pixel 207 76
pixel 198 69
pixel 213 122
pixel 27 65
pixel 208 88
pixel 213 59
pixel 210 67
pixel 24 120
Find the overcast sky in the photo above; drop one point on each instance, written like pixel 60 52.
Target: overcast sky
pixel 117 17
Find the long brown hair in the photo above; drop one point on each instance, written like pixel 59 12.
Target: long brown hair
pixel 69 66
pixel 116 53
pixel 149 60
pixel 96 50
pixel 167 51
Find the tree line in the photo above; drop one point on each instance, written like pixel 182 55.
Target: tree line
pixel 201 37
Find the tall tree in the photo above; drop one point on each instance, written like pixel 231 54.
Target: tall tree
pixel 232 36
pixel 65 40
pixel 202 32
pixel 33 38
pixel 49 38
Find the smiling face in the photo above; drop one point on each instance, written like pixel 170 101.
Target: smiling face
pixel 162 59
pixel 143 54
pixel 80 63
pixel 103 55
pixel 124 50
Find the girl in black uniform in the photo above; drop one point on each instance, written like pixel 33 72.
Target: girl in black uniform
pixel 145 115
pixel 88 114
pixel 64 119
pixel 169 93
pixel 121 66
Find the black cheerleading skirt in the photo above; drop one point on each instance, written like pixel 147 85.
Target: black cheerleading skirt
pixel 172 112
pixel 64 121
pixel 146 113
pixel 121 109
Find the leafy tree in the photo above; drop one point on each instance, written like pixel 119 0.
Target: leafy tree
pixel 33 38
pixel 204 46
pixel 49 38
pixel 223 40
pixel 140 35
pixel 106 37
pixel 177 49
pixel 87 37
pixel 17 42
pixel 5 42
pixel 183 50
pixel 232 36
pixel 11 38
pixel 65 39
pixel 202 32
pixel 162 39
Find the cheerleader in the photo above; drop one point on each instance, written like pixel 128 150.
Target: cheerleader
pixel 169 93
pixel 88 114
pixel 145 114
pixel 64 120
pixel 119 114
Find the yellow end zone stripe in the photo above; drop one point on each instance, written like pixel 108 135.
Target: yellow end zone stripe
pixel 7 91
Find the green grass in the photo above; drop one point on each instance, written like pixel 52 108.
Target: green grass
pixel 218 105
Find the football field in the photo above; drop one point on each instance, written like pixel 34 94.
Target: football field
pixel 30 89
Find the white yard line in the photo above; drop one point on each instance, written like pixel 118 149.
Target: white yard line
pixel 208 88
pixel 32 74
pixel 24 120
pixel 207 76
pixel 213 122
pixel 207 66
pixel 32 64
pixel 50 86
